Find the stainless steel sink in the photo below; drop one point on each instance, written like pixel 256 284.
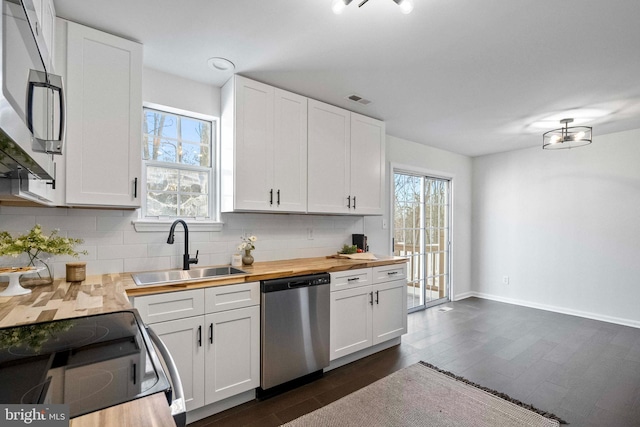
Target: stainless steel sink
pixel 172 276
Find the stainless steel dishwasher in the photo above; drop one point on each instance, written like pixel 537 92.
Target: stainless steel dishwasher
pixel 294 338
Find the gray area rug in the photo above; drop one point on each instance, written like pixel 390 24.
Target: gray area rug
pixel 421 396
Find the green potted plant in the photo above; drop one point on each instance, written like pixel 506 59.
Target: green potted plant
pixel 39 247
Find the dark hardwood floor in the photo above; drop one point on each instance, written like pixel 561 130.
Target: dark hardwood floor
pixel 585 371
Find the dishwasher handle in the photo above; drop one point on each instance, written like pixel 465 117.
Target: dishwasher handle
pixel 298 284
pixel 178 406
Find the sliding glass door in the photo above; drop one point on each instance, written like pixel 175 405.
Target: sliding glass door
pixel 421 212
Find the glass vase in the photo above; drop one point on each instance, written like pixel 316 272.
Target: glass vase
pixel 44 275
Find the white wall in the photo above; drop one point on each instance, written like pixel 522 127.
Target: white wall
pixel 563 225
pixel 421 156
pixel 178 92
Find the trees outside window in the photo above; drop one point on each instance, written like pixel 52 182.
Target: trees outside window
pixel 177 155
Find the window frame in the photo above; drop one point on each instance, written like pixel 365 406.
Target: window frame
pixel 213 223
pixel 430 173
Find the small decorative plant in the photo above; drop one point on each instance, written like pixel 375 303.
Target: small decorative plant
pixel 35 243
pixel 247 244
pixel 348 249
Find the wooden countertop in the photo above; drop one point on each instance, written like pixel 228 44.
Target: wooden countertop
pixel 264 271
pixel 109 292
pixel 63 300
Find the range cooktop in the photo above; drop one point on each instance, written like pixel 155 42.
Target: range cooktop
pixel 89 363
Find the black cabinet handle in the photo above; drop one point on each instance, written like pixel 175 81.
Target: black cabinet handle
pixel 135 188
pixel 391 273
pixel 200 336
pixel 211 333
pixel 354 202
pixel 271 196
pixel 134 373
pixel 377 298
pixel 352 279
pixel 349 202
pixel 371 298
pixel 278 197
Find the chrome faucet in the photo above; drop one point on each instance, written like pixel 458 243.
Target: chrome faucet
pixel 186 260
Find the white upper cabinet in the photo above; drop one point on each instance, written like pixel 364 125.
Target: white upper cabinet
pixel 346 161
pixel 367 170
pixel 264 148
pixel 42 22
pixel 329 158
pixel 104 98
pixel 290 152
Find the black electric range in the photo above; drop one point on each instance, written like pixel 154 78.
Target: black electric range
pixel 89 363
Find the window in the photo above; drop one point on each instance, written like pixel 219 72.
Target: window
pixel 178 158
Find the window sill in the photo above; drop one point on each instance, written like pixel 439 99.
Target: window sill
pixel 150 225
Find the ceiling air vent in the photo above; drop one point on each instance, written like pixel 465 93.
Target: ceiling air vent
pixel 358 99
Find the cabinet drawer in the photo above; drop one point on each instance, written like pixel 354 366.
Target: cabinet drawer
pixel 386 273
pixel 221 298
pixel 350 279
pixel 170 306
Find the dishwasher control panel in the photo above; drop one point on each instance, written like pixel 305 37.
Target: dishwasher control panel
pixel 295 282
pixel 320 281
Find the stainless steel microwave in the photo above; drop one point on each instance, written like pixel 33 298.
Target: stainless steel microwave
pixel 32 107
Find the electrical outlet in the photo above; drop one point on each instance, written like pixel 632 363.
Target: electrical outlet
pixel 384 223
pixel 309 233
pixel 505 280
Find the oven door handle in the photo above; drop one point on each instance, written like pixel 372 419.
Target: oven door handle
pixel 178 408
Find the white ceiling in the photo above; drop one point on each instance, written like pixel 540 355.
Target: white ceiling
pixel 468 76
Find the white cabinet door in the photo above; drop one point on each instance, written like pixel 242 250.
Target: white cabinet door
pixel 290 152
pixel 48 29
pixel 253 145
pixel 351 315
pixel 329 158
pixel 185 340
pixel 389 310
pixel 233 353
pixel 104 98
pixel 264 148
pixel 367 165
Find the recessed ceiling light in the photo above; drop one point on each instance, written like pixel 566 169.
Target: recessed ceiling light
pixel 220 64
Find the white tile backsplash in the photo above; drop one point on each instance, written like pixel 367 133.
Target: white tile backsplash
pixel 115 247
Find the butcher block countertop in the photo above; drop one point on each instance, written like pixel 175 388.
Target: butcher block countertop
pixel 109 292
pixel 264 271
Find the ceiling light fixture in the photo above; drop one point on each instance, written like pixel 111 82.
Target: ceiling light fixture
pixel 566 137
pixel 220 64
pixel 406 6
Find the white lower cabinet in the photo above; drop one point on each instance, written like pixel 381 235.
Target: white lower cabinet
pixel 232 357
pixel 217 348
pixel 367 314
pixel 351 326
pixel 181 338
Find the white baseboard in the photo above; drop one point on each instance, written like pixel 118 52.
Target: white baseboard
pixel 463 295
pixel 556 309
